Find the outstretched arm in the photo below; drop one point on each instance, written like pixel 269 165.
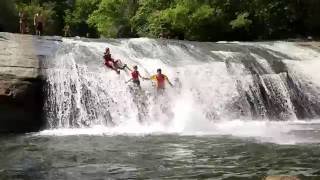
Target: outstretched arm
pixel 169 81
pixel 150 78
pixel 129 80
pixel 126 66
pixel 144 78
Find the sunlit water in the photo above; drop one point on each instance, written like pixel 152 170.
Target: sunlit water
pixel 221 150
pixel 92 154
pixel 244 111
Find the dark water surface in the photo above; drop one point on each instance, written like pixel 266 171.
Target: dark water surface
pixel 152 157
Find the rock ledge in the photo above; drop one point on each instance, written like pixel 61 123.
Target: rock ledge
pixel 21 85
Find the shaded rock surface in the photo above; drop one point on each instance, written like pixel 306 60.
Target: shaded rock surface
pixel 21 84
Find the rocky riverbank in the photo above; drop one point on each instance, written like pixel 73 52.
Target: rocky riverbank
pixel 21 84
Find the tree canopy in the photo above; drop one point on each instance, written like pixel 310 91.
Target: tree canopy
pixel 200 20
pixel 8 16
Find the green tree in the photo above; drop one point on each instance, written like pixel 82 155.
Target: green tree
pixel 190 19
pixel 147 12
pixel 242 21
pixel 201 20
pixel 77 17
pixel 8 16
pixel 112 18
pixel 310 17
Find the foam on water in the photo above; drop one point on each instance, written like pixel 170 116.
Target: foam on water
pixel 295 51
pixel 263 131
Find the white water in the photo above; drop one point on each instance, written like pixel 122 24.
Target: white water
pixel 263 131
pixel 88 98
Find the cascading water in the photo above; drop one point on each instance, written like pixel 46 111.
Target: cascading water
pixel 237 111
pixel 219 82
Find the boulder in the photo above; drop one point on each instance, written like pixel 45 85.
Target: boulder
pixel 21 84
pixel 281 178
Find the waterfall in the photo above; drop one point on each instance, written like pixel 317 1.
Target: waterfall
pixel 275 81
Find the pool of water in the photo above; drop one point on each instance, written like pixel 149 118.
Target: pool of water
pixel 153 156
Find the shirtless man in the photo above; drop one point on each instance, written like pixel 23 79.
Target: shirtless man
pixel 161 80
pixel 38 22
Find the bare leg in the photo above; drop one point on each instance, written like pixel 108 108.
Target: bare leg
pixel 21 28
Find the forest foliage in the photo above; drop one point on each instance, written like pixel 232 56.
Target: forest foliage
pixel 200 20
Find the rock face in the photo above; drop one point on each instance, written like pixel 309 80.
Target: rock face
pixel 21 84
pixel 281 178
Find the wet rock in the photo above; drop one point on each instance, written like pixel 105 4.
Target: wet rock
pixel 20 85
pixel 281 178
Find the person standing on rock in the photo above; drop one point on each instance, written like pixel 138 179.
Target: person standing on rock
pixel 66 30
pixel 38 22
pixel 177 83
pixel 23 22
